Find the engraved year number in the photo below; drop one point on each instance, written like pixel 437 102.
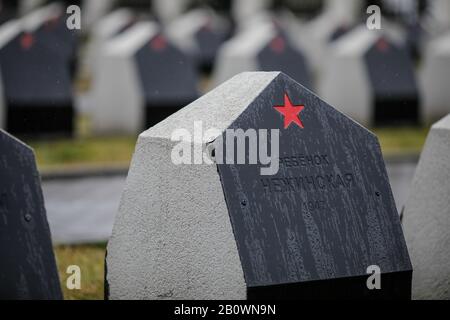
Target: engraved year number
pixel 313 205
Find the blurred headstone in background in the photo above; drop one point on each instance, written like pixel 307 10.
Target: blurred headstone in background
pixel 28 268
pixel 263 46
pixel 106 28
pixel 437 18
pixel 426 218
pixel 60 39
pixel 436 78
pixel 200 33
pixel 315 31
pixel 370 77
pixel 36 81
pixel 142 78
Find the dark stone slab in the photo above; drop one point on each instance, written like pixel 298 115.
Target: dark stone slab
pixel 55 34
pixel 391 74
pixel 311 230
pixel 27 268
pixel 168 79
pixel 37 87
pixel 209 40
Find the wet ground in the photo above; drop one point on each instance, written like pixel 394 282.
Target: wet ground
pixel 83 210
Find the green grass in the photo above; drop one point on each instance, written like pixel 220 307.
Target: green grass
pixel 98 151
pixel 401 140
pixel 90 259
pixel 83 151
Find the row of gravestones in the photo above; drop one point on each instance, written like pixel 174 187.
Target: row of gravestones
pixel 142 75
pixel 375 66
pixel 224 230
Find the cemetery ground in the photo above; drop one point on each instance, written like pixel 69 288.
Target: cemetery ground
pixel 86 152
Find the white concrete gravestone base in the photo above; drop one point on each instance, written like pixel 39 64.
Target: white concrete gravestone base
pixel 426 219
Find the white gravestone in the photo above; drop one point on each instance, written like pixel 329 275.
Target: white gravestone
pixel 426 218
pixel 140 70
pixel 262 46
pixel 370 76
pixel 435 78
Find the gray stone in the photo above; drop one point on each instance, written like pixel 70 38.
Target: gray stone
pixel 225 231
pixel 28 267
pixel 426 219
pixel 435 77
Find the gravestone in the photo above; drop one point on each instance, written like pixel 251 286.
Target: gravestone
pixel 435 77
pixel 58 38
pixel 105 29
pixel 426 219
pixel 262 47
pixel 315 35
pixel 142 79
pixel 36 93
pixel 370 77
pixel 305 224
pixel 200 33
pixel 94 11
pixel 27 268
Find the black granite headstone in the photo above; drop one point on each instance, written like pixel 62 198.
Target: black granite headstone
pixel 37 86
pixel 209 40
pixel 55 34
pixel 168 79
pixel 27 263
pixel 395 91
pixel 312 229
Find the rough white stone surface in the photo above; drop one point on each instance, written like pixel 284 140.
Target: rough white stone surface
pixel 426 220
pixel 435 78
pixel 117 97
pixel 172 238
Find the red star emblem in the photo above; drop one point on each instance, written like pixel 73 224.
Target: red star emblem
pixel 27 41
pixel 290 112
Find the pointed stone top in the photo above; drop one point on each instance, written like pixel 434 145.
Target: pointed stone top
pixel 443 124
pixel 5 135
pixel 130 41
pixel 218 108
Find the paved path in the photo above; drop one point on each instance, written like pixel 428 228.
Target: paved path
pixel 83 210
